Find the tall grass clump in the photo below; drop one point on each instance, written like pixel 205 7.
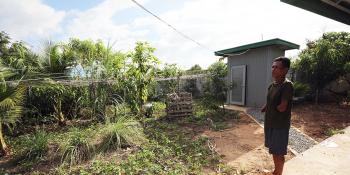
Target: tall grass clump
pixel 77 147
pixel 126 131
pixel 31 148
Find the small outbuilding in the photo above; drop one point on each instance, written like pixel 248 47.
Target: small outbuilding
pixel 249 69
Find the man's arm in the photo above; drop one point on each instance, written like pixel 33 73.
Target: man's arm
pixel 287 95
pixel 263 109
pixel 282 106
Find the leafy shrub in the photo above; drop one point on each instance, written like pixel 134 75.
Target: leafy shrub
pixel 154 159
pixel 214 119
pixel 159 106
pixel 49 102
pixel 166 153
pixel 331 131
pixel 101 167
pixel 191 86
pixel 85 113
pixel 216 87
pixel 347 67
pixel 301 89
pixel 171 85
pixel 171 150
pixel 157 109
pixel 323 60
pixel 117 109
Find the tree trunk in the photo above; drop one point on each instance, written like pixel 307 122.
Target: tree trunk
pixel 58 111
pixel 140 100
pixel 317 96
pixel 223 108
pixel 3 146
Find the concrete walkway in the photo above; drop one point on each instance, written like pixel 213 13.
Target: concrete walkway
pixel 298 141
pixel 331 156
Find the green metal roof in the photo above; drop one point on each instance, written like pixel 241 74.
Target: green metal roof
pixel 285 45
pixel 338 10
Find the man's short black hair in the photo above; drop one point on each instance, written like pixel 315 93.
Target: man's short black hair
pixel 284 60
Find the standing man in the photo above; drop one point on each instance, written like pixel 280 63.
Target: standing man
pixel 278 113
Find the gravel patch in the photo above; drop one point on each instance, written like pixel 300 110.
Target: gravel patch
pixel 298 141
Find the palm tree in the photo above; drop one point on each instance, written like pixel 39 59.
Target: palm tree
pixel 18 57
pixel 52 59
pixel 11 99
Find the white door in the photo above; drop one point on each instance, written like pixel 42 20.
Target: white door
pixel 238 76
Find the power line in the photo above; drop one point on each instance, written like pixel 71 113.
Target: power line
pixel 181 33
pixel 169 25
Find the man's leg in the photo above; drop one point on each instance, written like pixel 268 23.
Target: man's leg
pixel 278 160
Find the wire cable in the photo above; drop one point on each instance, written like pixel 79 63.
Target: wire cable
pixel 182 34
pixel 169 25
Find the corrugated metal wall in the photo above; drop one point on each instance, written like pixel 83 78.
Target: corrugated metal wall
pixel 258 75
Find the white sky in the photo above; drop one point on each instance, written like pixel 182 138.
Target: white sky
pixel 218 24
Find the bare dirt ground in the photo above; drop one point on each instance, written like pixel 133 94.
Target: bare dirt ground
pixel 318 120
pixel 241 146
